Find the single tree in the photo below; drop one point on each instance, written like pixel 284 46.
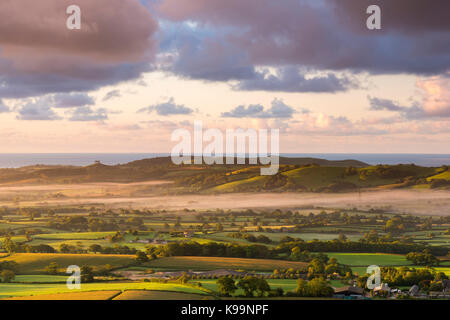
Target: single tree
pixel 226 286
pixel 7 276
pixel 52 268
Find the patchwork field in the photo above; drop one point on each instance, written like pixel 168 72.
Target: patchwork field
pixel 131 227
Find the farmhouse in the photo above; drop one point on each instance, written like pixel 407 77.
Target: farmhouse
pixel 159 241
pixel 188 234
pixel 383 289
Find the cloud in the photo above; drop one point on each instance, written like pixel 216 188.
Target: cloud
pixel 384 104
pixel 410 112
pixel 70 100
pixel 168 108
pixel 3 107
pixel 36 110
pixel 289 79
pixel 112 94
pixel 437 95
pixel 125 127
pixel 400 15
pixel 88 77
pixel 87 114
pixel 323 35
pixel 197 53
pixel 39 55
pixel 43 108
pixel 253 110
pixel 278 109
pixel 435 102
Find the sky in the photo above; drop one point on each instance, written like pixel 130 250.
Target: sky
pixel 138 70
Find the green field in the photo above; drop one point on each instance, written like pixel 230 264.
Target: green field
pixel 15 239
pixel 285 284
pixel 367 259
pixel 238 185
pixel 444 175
pixel 35 263
pixel 74 236
pixel 89 295
pixel 276 236
pixel 35 278
pixel 438 269
pixel 363 270
pixel 159 295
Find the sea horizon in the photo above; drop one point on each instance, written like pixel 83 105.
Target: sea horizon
pixel 16 160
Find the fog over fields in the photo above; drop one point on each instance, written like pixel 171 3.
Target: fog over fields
pixel 423 202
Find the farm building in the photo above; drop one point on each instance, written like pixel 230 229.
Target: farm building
pixel 384 288
pixel 414 290
pixel 349 291
pixel 446 285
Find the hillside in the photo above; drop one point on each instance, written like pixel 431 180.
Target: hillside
pixel 141 170
pixel 295 174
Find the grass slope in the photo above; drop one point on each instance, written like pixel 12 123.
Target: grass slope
pixel 159 295
pixel 22 290
pixel 35 263
pixel 93 295
pixel 367 259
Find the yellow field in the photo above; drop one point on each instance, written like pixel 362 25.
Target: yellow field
pixel 208 263
pixel 8 290
pixel 444 175
pixel 93 295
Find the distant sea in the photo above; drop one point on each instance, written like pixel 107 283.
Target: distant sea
pixel 15 160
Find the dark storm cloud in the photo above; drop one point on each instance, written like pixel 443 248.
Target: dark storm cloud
pixel 289 79
pixel 85 77
pixel 407 16
pixel 325 35
pixel 39 55
pixel 199 53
